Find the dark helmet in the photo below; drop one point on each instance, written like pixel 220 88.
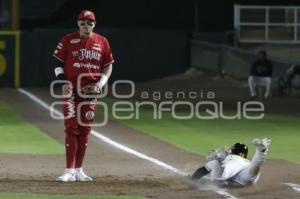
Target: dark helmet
pixel 240 149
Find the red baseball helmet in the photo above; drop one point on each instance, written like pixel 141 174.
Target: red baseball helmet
pixel 87 15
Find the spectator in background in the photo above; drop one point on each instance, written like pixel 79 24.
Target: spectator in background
pixel 261 74
pixel 293 76
pixel 291 80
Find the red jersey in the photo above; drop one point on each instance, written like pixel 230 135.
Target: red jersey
pixel 83 56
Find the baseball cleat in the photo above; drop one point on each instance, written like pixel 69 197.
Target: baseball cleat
pixel 261 144
pixel 68 176
pixel 82 177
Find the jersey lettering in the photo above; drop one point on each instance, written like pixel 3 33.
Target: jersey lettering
pixel 89 54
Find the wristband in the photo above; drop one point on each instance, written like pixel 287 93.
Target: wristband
pixel 103 80
pixel 58 71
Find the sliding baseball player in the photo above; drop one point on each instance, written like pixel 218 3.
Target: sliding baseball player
pixel 230 166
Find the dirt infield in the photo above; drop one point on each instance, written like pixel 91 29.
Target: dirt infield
pixel 119 173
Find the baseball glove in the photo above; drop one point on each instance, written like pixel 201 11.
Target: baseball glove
pixel 92 89
pixel 67 90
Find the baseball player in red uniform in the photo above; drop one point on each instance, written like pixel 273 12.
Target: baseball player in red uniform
pixel 84 59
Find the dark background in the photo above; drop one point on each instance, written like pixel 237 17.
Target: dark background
pixel 150 39
pixel 213 15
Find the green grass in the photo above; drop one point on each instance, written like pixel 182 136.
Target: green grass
pixel 20 137
pixel 42 196
pixel 200 136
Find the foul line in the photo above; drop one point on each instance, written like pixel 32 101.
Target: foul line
pixel 294 186
pixel 120 146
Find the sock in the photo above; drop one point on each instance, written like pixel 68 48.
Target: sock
pixel 257 161
pixel 71 148
pixel 82 145
pixel 259 157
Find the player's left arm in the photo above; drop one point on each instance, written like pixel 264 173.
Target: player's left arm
pixel 108 60
pixel 96 88
pixel 105 75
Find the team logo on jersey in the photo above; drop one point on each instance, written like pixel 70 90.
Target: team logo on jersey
pixel 60 45
pixel 85 65
pixel 89 115
pixel 89 55
pixel 75 53
pixel 71 107
pixel 96 47
pixel 87 13
pixel 76 65
pixel 75 41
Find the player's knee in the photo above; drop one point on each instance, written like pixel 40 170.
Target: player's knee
pixel 83 139
pixel 70 139
pixel 250 79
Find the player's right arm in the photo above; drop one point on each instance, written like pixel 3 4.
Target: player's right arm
pixel 59 55
pixel 59 69
pixel 60 51
pixel 59 63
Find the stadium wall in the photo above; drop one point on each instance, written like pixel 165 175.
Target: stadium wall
pixel 140 55
pixel 234 62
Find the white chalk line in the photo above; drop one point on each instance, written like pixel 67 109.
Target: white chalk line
pixel 295 187
pixel 124 148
